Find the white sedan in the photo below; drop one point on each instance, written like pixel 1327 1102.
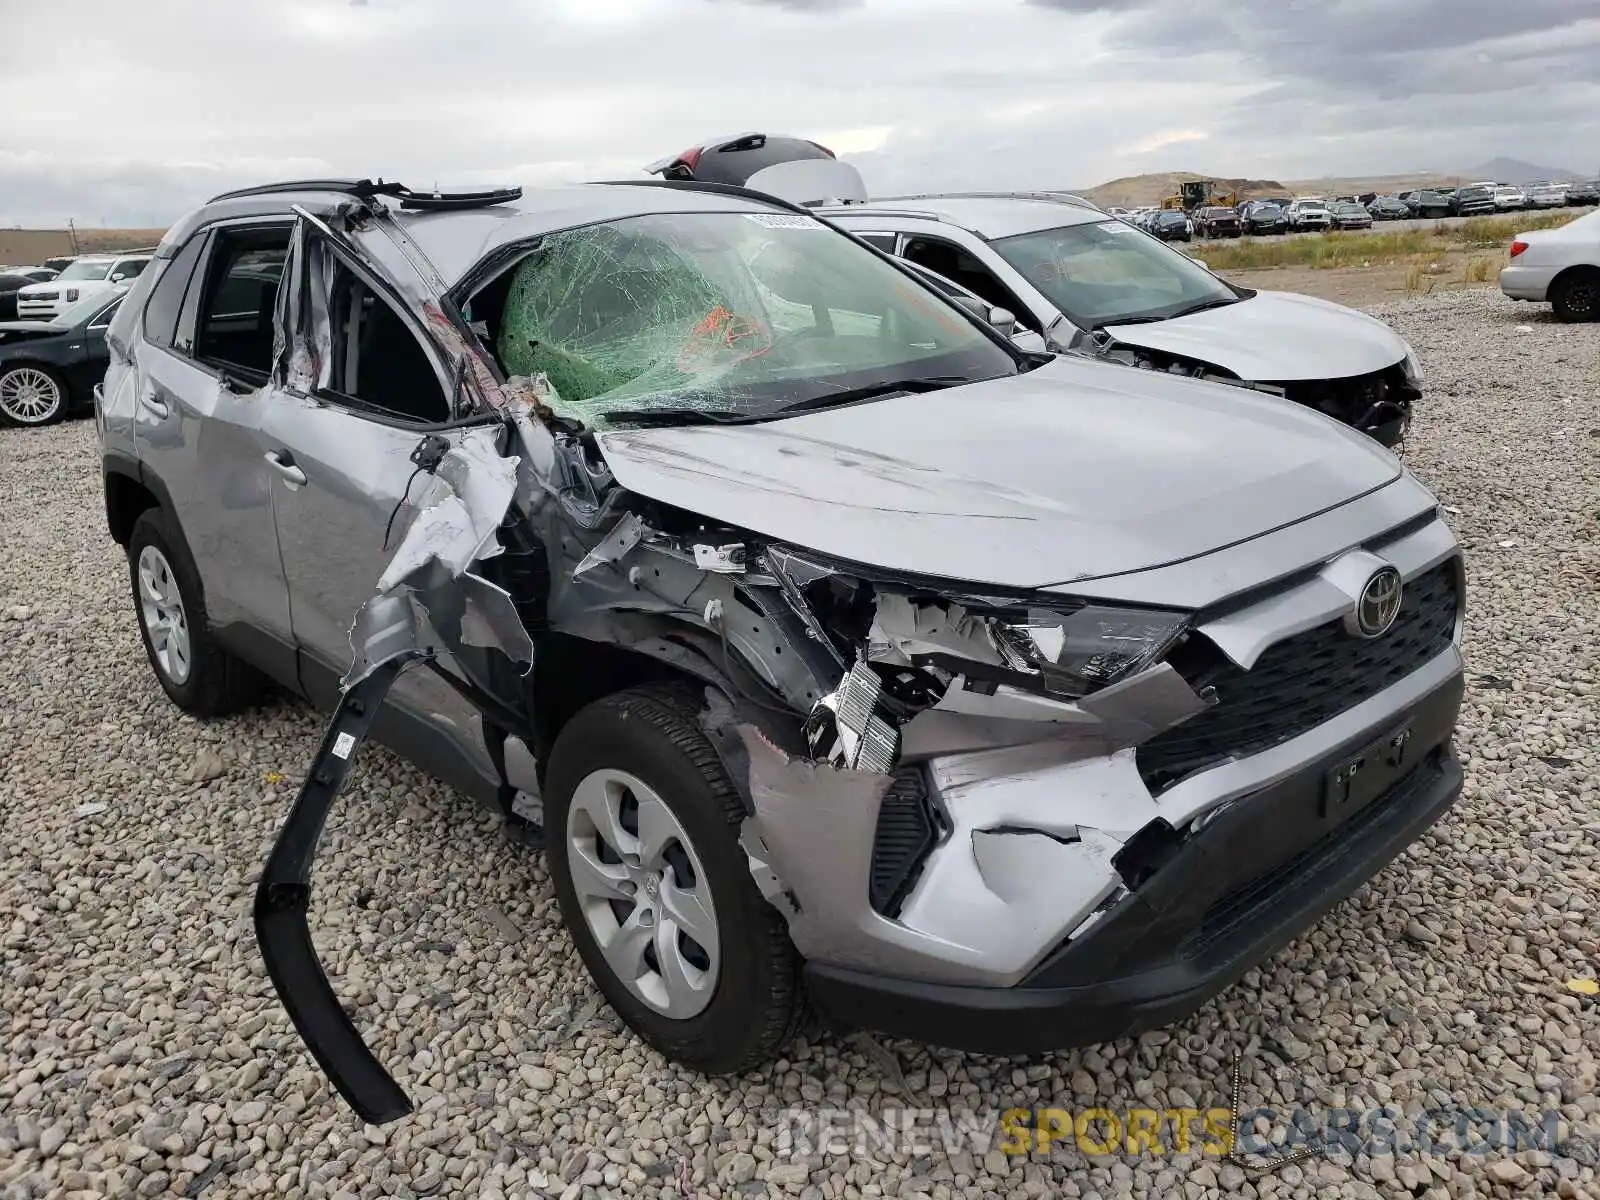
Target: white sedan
pixel 1561 266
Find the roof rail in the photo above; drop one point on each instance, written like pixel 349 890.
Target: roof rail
pixel 367 189
pixel 1049 197
pixel 720 189
pixel 873 209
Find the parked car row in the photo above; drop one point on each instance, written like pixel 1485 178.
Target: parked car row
pixel 833 646
pixel 1271 215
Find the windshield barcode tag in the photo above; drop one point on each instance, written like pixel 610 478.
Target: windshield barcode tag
pixel 783 221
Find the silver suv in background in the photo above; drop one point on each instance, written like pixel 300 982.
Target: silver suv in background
pixel 1088 283
pixel 832 646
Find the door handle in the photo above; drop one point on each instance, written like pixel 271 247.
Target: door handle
pixel 282 462
pixel 155 405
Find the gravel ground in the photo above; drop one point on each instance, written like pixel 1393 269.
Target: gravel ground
pixel 144 1052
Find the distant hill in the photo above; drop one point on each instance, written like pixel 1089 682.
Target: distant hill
pixel 1136 190
pixel 1514 170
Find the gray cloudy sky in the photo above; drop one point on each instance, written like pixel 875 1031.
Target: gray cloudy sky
pixel 126 113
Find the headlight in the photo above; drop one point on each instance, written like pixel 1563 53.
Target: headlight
pixel 1411 365
pixel 1066 652
pixel 72 294
pixel 1073 654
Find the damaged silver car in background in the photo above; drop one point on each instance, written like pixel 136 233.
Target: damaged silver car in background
pixel 838 652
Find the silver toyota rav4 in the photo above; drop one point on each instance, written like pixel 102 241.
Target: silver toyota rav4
pixel 840 653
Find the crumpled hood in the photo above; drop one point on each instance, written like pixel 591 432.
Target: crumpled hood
pixel 1275 337
pixel 1075 470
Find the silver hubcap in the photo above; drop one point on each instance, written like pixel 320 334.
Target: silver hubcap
pixel 644 894
pixel 29 395
pixel 161 610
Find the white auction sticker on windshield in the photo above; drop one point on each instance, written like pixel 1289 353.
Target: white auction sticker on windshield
pixel 783 221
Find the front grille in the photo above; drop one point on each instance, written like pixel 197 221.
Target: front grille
pixel 1238 908
pixel 907 830
pixel 1298 683
pixel 37 297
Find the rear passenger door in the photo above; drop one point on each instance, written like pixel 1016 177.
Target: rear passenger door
pixel 202 363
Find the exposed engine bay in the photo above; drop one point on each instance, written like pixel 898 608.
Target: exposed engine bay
pixel 1378 404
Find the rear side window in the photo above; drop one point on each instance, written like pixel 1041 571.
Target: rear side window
pixel 233 326
pixel 883 241
pixel 166 301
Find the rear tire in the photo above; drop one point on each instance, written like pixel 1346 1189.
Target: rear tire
pixel 1575 296
pixel 197 674
pixel 649 739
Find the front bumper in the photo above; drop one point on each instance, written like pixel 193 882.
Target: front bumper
pixel 1253 878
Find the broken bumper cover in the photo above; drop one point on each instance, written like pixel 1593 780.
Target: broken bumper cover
pixel 1252 879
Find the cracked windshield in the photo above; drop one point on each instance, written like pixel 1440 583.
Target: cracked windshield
pixel 726 316
pixel 1108 272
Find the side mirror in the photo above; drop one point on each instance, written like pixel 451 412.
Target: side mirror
pixel 118 277
pixel 1003 320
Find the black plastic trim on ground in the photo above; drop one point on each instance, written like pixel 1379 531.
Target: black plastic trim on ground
pixel 283 898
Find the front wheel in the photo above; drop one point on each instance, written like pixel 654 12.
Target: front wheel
pixel 1575 296
pixel 31 395
pixel 642 824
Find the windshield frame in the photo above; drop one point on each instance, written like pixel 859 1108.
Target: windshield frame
pixel 504 259
pixel 1163 253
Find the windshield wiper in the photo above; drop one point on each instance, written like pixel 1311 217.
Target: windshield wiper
pixel 716 416
pixel 680 416
pixel 873 391
pixel 1219 302
pixel 1099 325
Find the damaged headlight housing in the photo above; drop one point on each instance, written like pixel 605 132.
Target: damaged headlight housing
pixel 1411 366
pixel 1071 654
pixel 1066 651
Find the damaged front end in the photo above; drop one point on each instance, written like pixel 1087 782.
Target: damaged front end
pixel 848 711
pixel 1378 403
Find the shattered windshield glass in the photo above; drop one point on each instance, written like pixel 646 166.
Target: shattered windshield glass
pixel 737 314
pixel 1104 272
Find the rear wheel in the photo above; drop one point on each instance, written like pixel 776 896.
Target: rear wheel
pixel 642 825
pixel 31 395
pixel 197 674
pixel 1575 296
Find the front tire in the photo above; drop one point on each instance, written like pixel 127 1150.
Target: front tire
pixel 1575 296
pixel 197 674
pixel 31 395
pixel 642 825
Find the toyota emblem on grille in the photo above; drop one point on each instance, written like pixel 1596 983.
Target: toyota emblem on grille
pixel 1378 605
